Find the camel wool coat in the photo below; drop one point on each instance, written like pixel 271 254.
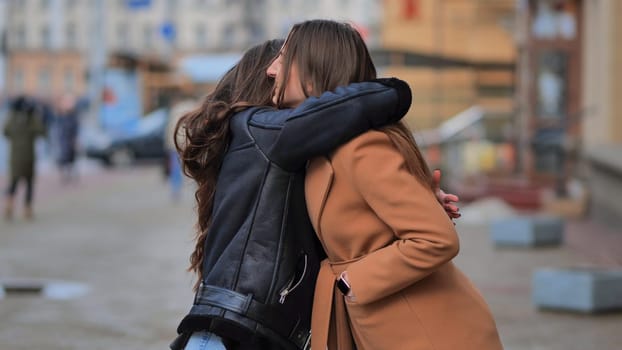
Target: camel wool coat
pixel 383 226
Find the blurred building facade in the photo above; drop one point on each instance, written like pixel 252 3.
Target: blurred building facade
pixel 51 42
pixel 449 51
pixel 601 124
pixel 602 69
pixel 366 15
pixel 522 97
pixel 3 24
pixel 568 104
pixel 549 41
pixel 459 56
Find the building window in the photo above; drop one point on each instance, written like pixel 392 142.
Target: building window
pixel 228 36
pixel 552 94
pixel 20 37
pixel 554 20
pixel 256 32
pixel 18 80
pixel 18 5
pixel 148 35
pixel 46 39
pixel 123 35
pixel 70 4
pixel 44 80
pixel 200 33
pixel 171 5
pixel 69 80
pixel 71 35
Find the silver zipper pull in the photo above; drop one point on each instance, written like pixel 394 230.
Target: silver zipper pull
pixel 283 295
pixel 289 287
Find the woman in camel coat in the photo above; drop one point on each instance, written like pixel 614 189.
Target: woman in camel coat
pixel 389 239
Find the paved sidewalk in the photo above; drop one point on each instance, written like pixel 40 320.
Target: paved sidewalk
pixel 504 277
pixel 119 234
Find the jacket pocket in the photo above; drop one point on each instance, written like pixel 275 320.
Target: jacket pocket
pixel 295 280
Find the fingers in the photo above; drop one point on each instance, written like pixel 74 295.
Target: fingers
pixel 451 207
pixel 453 214
pixel 447 198
pixel 436 179
pixel 452 210
pixel 436 175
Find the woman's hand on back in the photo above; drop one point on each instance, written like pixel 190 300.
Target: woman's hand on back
pixel 446 199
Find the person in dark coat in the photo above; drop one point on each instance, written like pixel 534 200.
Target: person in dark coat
pixel 66 127
pixel 21 129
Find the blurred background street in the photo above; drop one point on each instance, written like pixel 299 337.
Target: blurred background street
pixel 517 101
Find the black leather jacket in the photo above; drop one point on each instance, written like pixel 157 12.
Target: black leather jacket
pixel 262 257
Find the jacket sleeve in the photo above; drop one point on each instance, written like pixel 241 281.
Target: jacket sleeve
pixel 425 238
pixel 320 124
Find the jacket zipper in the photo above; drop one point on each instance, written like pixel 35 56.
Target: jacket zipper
pixel 289 287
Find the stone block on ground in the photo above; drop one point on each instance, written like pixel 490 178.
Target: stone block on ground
pixel 527 231
pixel 587 290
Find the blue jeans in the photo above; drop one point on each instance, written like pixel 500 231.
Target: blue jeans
pixel 204 341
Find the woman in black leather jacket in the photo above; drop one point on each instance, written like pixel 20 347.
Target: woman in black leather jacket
pixel 256 255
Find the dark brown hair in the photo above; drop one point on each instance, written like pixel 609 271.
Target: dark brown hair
pixel 206 132
pixel 329 54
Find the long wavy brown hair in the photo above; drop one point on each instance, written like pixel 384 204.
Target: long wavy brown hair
pixel 205 131
pixel 329 54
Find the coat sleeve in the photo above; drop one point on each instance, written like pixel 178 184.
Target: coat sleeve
pixel 7 129
pixel 320 124
pixel 425 238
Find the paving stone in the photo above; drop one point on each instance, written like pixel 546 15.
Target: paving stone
pixel 578 289
pixel 527 231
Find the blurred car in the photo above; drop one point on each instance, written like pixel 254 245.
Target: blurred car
pixel 142 139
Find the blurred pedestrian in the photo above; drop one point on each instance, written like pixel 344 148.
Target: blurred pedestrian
pixel 66 128
pixel 182 104
pixel 45 108
pixel 22 127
